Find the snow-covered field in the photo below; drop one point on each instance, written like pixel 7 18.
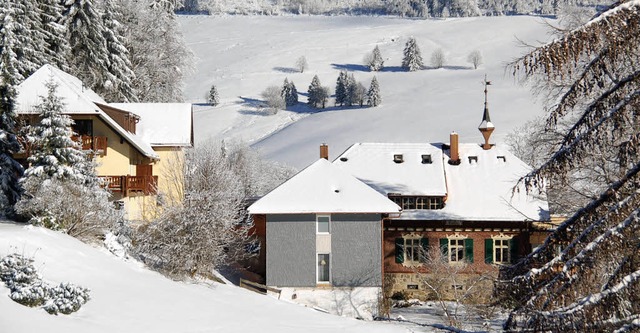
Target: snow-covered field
pixel 126 297
pixel 243 55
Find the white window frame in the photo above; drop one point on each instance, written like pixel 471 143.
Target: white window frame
pixel 502 242
pixel 318 224
pixel 413 244
pixel 458 246
pixel 318 269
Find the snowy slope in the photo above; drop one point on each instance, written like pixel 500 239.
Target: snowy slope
pixel 243 55
pixel 126 297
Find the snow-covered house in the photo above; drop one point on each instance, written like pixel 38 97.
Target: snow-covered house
pixel 133 144
pixel 457 201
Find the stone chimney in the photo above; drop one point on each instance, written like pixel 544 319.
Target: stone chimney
pixel 486 126
pixel 324 151
pixel 454 153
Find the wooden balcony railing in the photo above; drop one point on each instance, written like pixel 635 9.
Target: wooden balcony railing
pixel 127 184
pixel 96 143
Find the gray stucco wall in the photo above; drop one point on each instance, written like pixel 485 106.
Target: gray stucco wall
pixel 355 250
pixel 291 250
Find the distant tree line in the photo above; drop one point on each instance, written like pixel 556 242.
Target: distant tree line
pixel 404 8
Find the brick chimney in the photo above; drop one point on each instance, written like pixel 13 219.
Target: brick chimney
pixel 324 151
pixel 454 153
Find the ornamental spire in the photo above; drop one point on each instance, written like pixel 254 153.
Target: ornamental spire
pixel 486 126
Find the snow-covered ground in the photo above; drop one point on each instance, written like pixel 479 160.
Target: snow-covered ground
pixel 126 297
pixel 242 55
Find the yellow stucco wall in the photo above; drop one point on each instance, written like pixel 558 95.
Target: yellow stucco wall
pixel 170 173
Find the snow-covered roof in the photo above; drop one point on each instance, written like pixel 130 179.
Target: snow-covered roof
pixel 78 99
pixel 323 188
pixel 374 164
pixel 162 124
pixel 480 188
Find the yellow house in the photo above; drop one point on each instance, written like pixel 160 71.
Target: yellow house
pixel 138 148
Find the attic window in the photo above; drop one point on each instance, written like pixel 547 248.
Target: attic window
pixel 503 158
pixel 398 158
pixel 343 159
pixel 426 159
pixel 473 159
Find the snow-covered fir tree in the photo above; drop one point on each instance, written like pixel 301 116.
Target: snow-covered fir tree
pixel 342 84
pixel 317 94
pixel 352 86
pixel 57 47
pixel 212 96
pixel 412 60
pixel 54 154
pixel 10 170
pixel 374 60
pixel 593 283
pixel 121 88
pixel 373 94
pixel 289 93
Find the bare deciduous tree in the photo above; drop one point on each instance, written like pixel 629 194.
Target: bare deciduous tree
pixel 274 99
pixel 475 58
pixel 438 59
pixel 301 64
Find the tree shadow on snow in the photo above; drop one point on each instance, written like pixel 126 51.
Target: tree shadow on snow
pixel 393 69
pixel 286 70
pixel 351 67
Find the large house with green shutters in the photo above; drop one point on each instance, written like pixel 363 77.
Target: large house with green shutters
pixel 419 209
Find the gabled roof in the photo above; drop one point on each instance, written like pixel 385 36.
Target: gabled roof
pixel 323 188
pixel 163 124
pixel 478 189
pixel 78 100
pixel 373 163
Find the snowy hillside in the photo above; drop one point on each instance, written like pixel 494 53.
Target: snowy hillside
pixel 126 297
pixel 243 55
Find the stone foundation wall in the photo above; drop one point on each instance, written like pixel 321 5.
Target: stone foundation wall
pixel 413 285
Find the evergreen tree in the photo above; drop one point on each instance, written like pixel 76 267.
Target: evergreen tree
pixel 374 61
pixel 412 60
pixel 121 88
pixel 57 50
pixel 341 88
pixel 54 154
pixel 89 59
pixel 212 96
pixel 10 170
pixel 592 284
pixel 317 94
pixel 352 86
pixel 289 93
pixel 373 95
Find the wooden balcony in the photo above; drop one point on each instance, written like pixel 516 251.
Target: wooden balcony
pixel 96 143
pixel 126 185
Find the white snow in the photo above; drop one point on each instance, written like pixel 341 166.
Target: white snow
pixel 243 55
pixel 323 188
pixel 162 124
pixel 126 297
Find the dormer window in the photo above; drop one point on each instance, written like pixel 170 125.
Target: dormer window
pixel 473 159
pixel 398 158
pixel 426 159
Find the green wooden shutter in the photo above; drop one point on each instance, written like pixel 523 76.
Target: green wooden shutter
pixel 488 251
pixel 444 248
pixel 399 250
pixel 513 248
pixel 468 249
pixel 424 249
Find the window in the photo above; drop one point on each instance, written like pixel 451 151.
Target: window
pixel 457 249
pixel 500 249
pixel 417 202
pixel 408 203
pixel 324 268
pixel 411 250
pixel 398 158
pixel 426 159
pixel 322 224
